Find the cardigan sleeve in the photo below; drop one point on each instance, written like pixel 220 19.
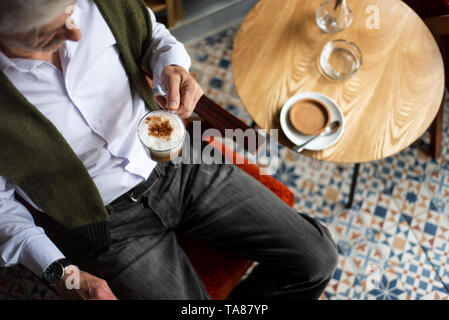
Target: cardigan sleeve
pixel 21 241
pixel 164 50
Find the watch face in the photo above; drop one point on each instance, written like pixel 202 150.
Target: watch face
pixel 54 272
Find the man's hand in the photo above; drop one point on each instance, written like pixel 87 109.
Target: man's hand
pixel 90 287
pixel 183 92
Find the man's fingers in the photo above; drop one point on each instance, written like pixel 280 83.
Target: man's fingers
pixel 102 294
pixel 90 288
pixel 187 96
pixel 173 90
pixel 198 94
pixel 193 97
pixel 183 92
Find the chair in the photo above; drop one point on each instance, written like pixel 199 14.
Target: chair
pixel 173 9
pixel 436 15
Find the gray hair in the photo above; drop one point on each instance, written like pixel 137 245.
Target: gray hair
pixel 22 16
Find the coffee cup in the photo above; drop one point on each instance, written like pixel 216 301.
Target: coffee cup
pixel 162 133
pixel 309 116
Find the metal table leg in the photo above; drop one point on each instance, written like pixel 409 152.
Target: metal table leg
pixel 355 175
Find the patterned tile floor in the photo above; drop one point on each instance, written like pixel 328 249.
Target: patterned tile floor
pixel 393 242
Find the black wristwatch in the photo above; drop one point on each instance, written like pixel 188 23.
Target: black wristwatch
pixel 55 272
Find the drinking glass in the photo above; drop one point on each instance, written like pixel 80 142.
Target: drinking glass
pixel 173 148
pixel 340 59
pixel 333 16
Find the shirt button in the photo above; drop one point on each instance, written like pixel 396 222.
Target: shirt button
pixel 98 123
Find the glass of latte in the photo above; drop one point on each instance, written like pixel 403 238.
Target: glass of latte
pixel 162 132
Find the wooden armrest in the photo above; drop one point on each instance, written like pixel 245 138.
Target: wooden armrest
pixel 438 25
pixel 216 117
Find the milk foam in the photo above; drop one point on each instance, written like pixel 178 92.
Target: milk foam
pixel 157 143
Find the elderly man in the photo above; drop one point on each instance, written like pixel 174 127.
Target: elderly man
pixel 72 92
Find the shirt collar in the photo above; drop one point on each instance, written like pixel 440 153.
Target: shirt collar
pixel 27 65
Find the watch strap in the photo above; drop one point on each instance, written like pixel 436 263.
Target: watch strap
pixel 65 262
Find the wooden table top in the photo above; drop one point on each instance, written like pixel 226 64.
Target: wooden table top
pixel 387 105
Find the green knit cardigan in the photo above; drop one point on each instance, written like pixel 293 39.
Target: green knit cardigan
pixel 35 156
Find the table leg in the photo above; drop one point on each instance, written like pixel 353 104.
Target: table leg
pixel 355 175
pixel 436 133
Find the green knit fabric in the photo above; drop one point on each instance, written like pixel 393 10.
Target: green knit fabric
pixel 36 157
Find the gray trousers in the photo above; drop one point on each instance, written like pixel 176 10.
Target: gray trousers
pixel 226 208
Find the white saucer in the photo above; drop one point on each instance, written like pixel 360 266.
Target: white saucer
pixel 297 138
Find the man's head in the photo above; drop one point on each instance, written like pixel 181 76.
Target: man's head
pixel 36 25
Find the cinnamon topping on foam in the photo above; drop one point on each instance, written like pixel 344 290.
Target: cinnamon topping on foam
pixel 158 127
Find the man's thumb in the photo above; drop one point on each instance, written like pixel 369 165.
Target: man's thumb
pixel 173 95
pixel 172 101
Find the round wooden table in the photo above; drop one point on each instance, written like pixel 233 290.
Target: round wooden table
pixel 387 105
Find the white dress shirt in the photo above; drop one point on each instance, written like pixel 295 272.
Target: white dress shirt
pixel 91 104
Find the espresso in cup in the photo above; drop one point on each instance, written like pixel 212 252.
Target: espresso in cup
pixel 162 132
pixel 309 116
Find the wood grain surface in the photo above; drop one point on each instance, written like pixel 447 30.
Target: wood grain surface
pixel 387 105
